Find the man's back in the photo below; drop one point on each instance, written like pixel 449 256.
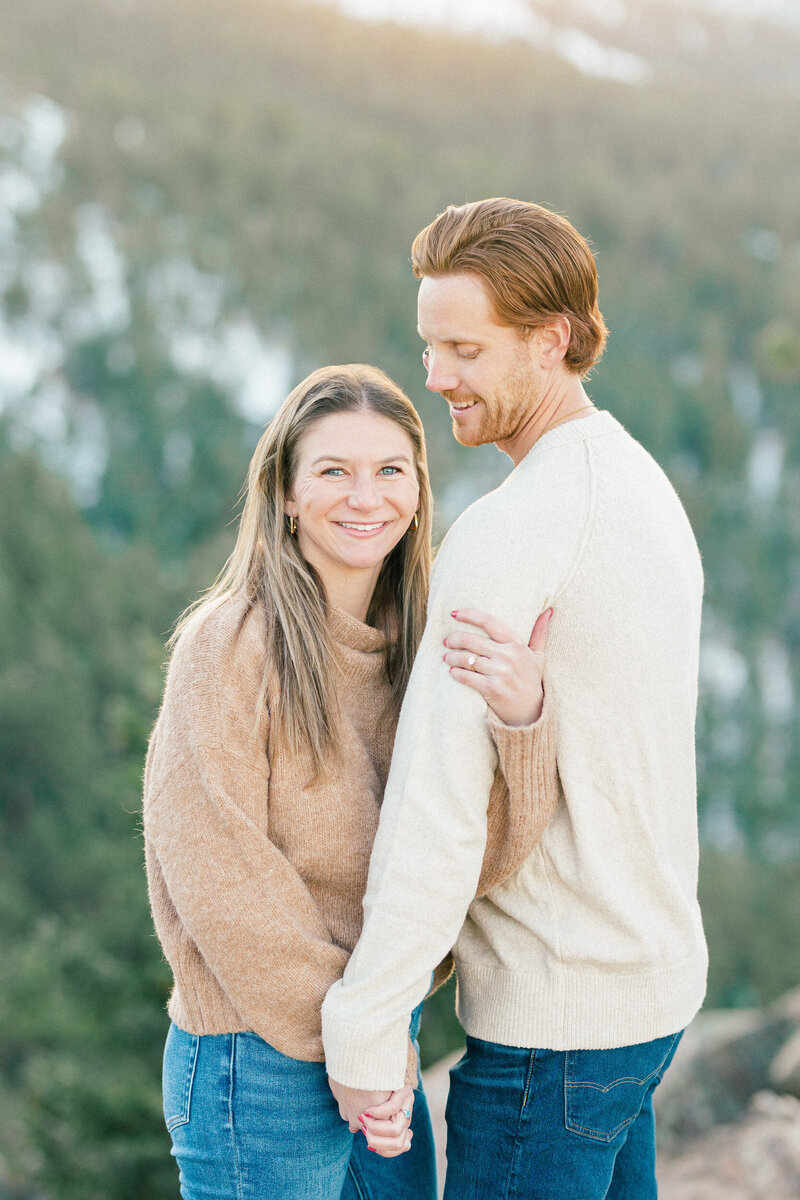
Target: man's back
pixel 597 939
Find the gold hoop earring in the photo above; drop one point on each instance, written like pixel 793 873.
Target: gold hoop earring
pixel 292 526
pixel 415 522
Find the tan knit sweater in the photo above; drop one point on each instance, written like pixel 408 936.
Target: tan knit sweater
pixel 256 873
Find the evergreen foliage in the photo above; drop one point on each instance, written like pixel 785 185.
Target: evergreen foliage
pixel 253 175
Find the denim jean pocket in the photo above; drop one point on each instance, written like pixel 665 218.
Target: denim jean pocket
pixel 604 1089
pixel 180 1060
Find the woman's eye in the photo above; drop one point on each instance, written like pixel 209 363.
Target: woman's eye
pixel 336 471
pixel 390 470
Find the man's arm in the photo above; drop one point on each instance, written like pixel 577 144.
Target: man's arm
pixel 427 857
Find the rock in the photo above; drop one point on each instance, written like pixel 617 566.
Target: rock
pixel 723 1060
pixel 784 1071
pixel 437 1084
pixel 788 1007
pixel 754 1158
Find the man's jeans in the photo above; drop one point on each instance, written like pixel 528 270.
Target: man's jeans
pixel 554 1125
pixel 249 1123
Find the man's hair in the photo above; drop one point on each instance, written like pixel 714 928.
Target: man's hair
pixel 534 263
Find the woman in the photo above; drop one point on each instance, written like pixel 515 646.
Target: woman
pixel 262 793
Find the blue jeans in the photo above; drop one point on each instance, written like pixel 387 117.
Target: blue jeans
pixel 249 1123
pixel 552 1125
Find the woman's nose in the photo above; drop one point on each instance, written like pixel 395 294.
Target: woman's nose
pixel 364 494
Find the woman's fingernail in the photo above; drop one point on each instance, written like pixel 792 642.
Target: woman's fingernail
pixel 551 612
pixel 454 613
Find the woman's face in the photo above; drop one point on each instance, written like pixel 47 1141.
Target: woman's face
pixel 354 495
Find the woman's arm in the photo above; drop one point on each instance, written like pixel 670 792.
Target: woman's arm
pixel 221 881
pixel 508 674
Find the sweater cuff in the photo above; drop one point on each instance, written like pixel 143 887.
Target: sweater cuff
pixel 364 1056
pixel 522 749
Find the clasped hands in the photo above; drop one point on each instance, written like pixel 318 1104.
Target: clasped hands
pixel 383 1117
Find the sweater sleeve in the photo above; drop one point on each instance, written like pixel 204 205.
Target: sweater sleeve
pixel 524 795
pixel 428 854
pixel 239 899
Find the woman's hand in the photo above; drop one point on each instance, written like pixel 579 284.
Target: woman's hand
pixel 386 1126
pixel 383 1118
pixel 499 665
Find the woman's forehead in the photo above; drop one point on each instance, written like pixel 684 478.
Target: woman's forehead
pixel 353 435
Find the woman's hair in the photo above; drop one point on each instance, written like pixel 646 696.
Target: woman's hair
pixel 267 568
pixel 534 263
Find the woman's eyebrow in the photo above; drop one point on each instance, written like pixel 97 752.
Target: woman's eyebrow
pixel 333 458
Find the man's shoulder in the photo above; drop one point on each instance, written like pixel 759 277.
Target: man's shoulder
pixel 540 501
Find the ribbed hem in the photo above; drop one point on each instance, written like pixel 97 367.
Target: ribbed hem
pixel 211 1013
pixel 563 1010
pixel 363 1056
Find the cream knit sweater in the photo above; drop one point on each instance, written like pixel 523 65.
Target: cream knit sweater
pixel 256 875
pixel 596 941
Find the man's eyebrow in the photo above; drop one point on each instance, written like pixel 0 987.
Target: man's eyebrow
pixel 454 341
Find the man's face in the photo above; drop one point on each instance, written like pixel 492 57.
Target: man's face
pixel 486 371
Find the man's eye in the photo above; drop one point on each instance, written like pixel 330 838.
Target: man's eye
pixel 468 353
pixel 426 357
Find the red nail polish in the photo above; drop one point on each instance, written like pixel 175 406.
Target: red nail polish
pixel 454 613
pixel 372 1150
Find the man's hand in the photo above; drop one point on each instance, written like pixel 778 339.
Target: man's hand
pixel 383 1117
pixel 353 1102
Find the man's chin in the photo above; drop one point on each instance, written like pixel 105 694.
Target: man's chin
pixel 469 437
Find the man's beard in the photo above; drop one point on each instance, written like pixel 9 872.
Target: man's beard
pixel 498 422
pixel 475 435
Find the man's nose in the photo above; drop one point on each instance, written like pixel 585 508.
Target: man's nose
pixel 441 377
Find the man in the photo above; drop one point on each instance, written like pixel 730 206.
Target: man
pixel 578 974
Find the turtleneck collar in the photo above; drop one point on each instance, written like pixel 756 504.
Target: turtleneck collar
pixel 356 635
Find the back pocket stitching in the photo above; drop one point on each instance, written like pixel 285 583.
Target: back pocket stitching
pixel 573 1126
pixel 183 1117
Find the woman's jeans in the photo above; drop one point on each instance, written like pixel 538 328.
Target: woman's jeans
pixel 249 1123
pixel 554 1125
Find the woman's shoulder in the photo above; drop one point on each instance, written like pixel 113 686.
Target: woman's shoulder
pixel 223 636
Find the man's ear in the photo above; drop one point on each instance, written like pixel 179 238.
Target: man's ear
pixel 552 340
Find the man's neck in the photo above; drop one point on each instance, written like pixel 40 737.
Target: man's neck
pixel 563 399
